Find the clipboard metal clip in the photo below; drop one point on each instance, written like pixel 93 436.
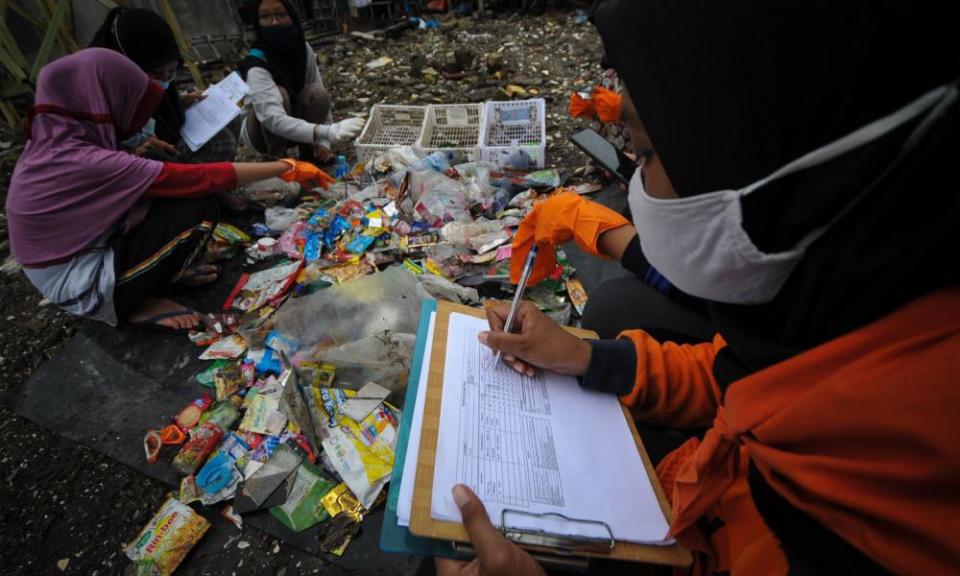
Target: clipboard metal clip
pixel 531 537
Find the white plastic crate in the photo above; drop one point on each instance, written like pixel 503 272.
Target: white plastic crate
pixel 389 126
pixel 453 127
pixel 509 127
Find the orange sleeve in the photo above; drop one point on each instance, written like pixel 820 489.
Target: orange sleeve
pixel 674 383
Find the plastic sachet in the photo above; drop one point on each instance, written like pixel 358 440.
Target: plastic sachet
pixel 263 414
pixel 255 290
pixel 229 348
pixel 363 471
pixel 304 507
pixel 362 453
pixel 166 539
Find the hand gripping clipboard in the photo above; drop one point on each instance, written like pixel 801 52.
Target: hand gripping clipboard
pixel 422 523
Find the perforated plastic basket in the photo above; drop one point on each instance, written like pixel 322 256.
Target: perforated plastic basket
pixel 390 126
pixel 511 127
pixel 453 127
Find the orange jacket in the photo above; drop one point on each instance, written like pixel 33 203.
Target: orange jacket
pixel 860 433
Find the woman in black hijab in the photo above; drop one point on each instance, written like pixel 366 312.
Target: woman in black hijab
pixel 797 173
pixel 144 37
pixel 288 104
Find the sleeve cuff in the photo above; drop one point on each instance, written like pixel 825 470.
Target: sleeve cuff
pixel 613 367
pixel 633 258
pixel 321 135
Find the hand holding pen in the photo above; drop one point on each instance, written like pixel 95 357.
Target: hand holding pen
pixel 540 343
pixel 518 295
pixel 537 342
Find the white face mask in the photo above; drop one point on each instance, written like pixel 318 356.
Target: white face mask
pixel 698 243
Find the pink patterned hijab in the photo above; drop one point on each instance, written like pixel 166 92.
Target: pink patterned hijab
pixel 72 183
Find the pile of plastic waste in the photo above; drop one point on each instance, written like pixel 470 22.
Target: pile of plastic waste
pixel 297 412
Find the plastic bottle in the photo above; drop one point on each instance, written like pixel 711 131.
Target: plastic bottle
pixel 342 170
pixel 439 161
pixel 203 440
pixel 342 167
pixel 224 413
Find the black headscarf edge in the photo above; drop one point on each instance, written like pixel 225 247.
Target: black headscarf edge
pixel 288 70
pixel 151 44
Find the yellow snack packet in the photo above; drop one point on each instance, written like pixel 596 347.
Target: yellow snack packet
pixel 166 539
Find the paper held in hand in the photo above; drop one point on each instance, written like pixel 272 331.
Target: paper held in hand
pixel 221 105
pixel 538 445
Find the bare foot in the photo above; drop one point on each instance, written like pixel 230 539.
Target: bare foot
pixel 200 275
pixel 164 312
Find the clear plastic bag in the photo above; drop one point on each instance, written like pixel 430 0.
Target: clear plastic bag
pixel 353 310
pixel 278 218
pixel 432 287
pixel 460 232
pixel 383 358
pixel 270 192
pixel 439 199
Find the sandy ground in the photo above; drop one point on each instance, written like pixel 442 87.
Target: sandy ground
pixel 65 508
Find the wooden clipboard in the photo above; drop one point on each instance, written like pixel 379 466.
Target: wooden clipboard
pixel 421 520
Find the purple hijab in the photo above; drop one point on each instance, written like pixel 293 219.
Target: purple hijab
pixel 72 184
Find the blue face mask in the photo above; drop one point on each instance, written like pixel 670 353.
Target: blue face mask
pixel 165 85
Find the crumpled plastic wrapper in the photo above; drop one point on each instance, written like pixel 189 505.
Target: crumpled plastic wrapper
pixel 269 192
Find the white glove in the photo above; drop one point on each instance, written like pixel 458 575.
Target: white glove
pixel 345 131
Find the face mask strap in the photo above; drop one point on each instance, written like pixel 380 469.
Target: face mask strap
pixel 861 136
pixel 116 32
pixel 948 97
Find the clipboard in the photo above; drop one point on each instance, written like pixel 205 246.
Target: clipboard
pixel 393 537
pixel 422 523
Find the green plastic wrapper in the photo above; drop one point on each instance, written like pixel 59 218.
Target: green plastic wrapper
pixel 304 506
pixel 207 377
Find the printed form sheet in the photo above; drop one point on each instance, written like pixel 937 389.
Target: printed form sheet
pixel 206 118
pixel 537 445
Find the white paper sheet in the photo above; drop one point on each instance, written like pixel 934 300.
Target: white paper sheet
pixel 206 118
pixel 405 502
pixel 537 445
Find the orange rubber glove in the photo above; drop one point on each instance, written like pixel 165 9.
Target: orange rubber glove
pixel 566 216
pixel 607 104
pixel 581 107
pixel 602 103
pixel 304 172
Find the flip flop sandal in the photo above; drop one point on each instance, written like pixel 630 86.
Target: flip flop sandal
pixel 152 323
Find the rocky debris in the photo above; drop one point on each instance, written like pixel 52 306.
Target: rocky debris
pixel 473 59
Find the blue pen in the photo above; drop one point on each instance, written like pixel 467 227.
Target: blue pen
pixel 524 277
